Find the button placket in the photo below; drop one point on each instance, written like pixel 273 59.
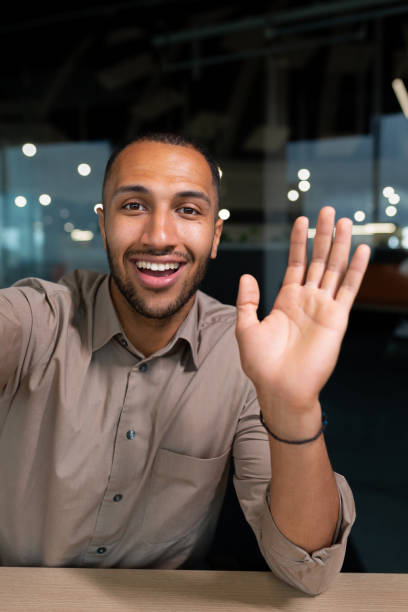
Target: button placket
pixel 131 424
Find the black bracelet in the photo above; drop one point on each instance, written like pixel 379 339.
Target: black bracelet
pixel 324 423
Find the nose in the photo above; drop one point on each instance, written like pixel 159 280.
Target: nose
pixel 160 231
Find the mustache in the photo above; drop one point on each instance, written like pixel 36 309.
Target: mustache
pixel 159 253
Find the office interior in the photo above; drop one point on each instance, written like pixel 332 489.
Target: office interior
pixel 302 104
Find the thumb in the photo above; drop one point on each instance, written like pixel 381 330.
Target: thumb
pixel 247 302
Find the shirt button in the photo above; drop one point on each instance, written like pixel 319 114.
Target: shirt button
pixel 131 434
pixel 117 497
pixel 101 550
pixel 123 342
pixel 143 367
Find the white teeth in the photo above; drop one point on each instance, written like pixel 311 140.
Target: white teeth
pixel 161 267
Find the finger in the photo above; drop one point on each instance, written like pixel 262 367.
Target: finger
pixel 321 245
pixel 247 302
pixel 338 258
pixel 297 262
pixel 354 275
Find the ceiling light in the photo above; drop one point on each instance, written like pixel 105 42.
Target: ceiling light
pixel 390 211
pixel 303 174
pixel 84 169
pixel 359 215
pixel 394 198
pixel 29 149
pixel 304 185
pixel 44 199
pixel 224 214
pixel 293 195
pixel 20 201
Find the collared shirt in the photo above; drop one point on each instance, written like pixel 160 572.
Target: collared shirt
pixel 111 459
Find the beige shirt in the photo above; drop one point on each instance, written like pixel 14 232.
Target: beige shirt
pixel 109 459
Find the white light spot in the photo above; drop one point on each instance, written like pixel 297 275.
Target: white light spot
pixel 393 242
pixel 370 229
pixel 44 199
pixel 304 185
pixel 81 235
pixel 84 169
pixel 20 201
pixel 220 172
pixel 304 174
pixel 394 198
pixel 390 211
pixel 68 227
pixel 293 195
pixel 359 215
pixel 224 214
pixel 29 149
pixel 98 205
pixel 64 213
pixel 388 191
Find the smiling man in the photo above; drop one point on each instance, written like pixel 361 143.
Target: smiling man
pixel 124 396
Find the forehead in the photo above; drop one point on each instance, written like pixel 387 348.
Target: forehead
pixel 159 164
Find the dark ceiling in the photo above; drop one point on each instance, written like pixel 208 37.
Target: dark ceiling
pixel 106 70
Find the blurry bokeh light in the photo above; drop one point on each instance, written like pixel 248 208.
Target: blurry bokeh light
pixel 29 149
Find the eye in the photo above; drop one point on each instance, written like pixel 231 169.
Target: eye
pixel 134 206
pixel 188 210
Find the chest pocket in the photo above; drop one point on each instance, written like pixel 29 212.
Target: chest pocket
pixel 181 493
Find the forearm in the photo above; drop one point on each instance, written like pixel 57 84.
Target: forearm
pixel 304 500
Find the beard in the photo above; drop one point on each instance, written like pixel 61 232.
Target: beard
pixel 136 301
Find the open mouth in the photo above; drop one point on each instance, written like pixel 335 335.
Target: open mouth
pixel 158 269
pixel 158 275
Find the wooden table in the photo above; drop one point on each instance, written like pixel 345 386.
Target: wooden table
pixel 72 589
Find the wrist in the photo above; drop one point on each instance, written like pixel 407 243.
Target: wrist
pixel 291 421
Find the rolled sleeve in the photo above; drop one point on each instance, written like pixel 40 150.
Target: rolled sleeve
pixel 309 572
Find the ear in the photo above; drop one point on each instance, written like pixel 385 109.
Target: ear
pixel 217 237
pixel 101 221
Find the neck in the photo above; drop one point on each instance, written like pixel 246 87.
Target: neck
pixel 146 334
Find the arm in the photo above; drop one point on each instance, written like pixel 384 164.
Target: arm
pixel 11 334
pixel 289 356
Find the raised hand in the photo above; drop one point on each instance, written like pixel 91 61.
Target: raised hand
pixel 291 353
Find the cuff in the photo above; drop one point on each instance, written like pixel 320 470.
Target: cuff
pixel 309 572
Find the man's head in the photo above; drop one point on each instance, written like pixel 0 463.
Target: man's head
pixel 159 223
pixel 165 138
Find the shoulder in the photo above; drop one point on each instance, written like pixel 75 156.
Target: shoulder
pixel 69 293
pixel 216 325
pixel 45 308
pixel 211 312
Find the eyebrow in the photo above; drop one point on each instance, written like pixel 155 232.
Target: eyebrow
pixel 145 191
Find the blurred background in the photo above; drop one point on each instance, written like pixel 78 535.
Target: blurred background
pixel 302 104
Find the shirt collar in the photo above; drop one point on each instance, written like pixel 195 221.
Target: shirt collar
pixel 107 325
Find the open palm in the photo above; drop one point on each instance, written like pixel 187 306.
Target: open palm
pixel 291 353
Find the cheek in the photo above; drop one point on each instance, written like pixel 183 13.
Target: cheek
pixel 120 236
pixel 198 239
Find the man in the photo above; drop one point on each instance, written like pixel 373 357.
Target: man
pixel 123 396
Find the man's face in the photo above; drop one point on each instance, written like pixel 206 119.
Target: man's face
pixel 159 226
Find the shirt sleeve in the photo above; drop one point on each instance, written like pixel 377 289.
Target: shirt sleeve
pixel 312 573
pixel 15 330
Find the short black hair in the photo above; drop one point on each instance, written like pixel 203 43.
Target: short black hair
pixel 166 138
